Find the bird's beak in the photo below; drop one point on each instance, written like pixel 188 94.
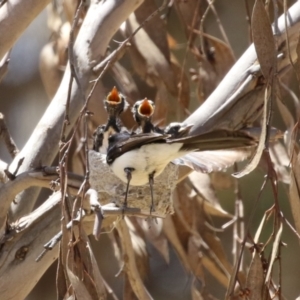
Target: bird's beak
pixel 146 109
pixel 114 97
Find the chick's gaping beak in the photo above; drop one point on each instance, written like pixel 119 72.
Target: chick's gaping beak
pixel 146 109
pixel 114 103
pixel 114 96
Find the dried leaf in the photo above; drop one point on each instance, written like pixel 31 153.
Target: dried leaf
pixel 139 247
pixel 255 278
pixel 213 210
pixel 196 295
pixel 171 234
pixel 163 106
pixel 187 12
pixel 222 181
pixel 93 269
pixel 280 162
pixel 297 63
pixel 195 256
pixel 184 216
pixel 156 28
pixel 263 39
pixel 214 270
pixel 77 283
pixel 148 59
pixel 151 58
pixel 275 248
pixel 294 196
pixel 202 183
pixel 61 284
pixel 262 140
pixel 156 237
pixel 214 66
pixel 259 229
pixel 217 252
pixel 129 262
pixel 183 89
pixel 126 83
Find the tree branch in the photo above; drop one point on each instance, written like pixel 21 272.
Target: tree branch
pixel 101 22
pixel 15 17
pixel 239 97
pixel 9 142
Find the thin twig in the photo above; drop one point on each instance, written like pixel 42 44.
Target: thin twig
pixel 189 45
pixel 4 64
pixel 106 211
pixel 248 19
pixel 239 225
pixel 5 135
pixel 234 275
pixel 223 32
pixel 63 156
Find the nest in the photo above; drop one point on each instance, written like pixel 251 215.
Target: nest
pixel 112 190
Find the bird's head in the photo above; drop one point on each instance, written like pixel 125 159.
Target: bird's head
pixel 143 110
pixel 115 103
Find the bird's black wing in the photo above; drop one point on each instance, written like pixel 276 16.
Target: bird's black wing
pixel 123 142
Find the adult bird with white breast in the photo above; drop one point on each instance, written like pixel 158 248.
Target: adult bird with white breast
pixel 134 158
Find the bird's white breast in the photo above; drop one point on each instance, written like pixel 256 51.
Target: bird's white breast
pixel 145 160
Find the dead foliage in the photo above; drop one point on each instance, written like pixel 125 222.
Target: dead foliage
pixel 179 73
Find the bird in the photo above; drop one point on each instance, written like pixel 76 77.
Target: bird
pixel 137 159
pixel 114 103
pixel 147 154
